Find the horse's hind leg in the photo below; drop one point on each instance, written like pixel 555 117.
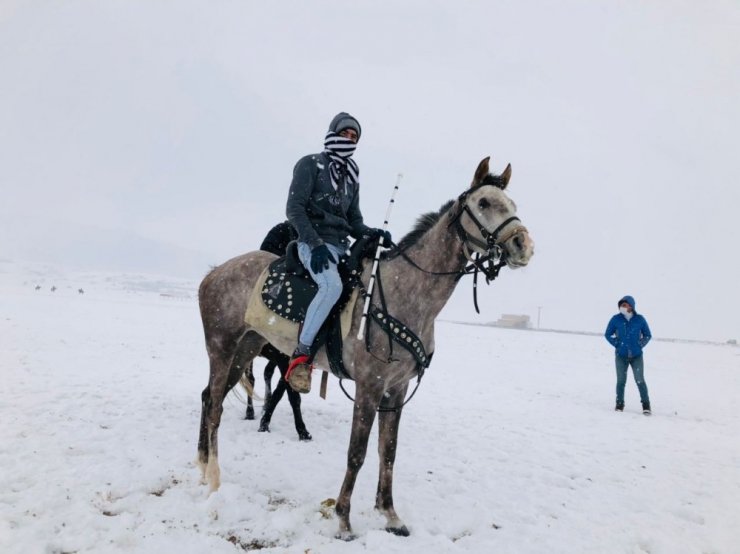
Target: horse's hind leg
pixel 210 405
pixel 202 459
pixel 224 375
pixel 388 423
pixel 250 404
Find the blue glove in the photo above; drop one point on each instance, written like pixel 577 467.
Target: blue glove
pixel 320 258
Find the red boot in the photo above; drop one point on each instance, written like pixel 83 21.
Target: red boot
pixel 298 375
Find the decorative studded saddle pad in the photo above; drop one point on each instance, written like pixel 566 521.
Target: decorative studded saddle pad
pixel 287 294
pixel 280 301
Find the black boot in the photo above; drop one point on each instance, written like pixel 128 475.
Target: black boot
pixel 646 408
pixel 619 407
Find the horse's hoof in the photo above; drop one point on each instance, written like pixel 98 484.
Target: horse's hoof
pixel 304 436
pixel 250 413
pixel 399 531
pixel 345 536
pixel 264 428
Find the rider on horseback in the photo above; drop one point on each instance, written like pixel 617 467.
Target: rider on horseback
pixel 323 206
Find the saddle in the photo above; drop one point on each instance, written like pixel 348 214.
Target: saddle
pixel 288 289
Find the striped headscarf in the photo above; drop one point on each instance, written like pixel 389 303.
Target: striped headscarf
pixel 342 167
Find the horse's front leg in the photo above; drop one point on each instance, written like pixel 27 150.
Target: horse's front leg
pixel 271 404
pixel 269 372
pixel 387 442
pixel 366 402
pixel 295 403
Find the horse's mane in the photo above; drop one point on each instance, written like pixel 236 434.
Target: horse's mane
pixel 423 224
pixel 495 180
pixel 428 220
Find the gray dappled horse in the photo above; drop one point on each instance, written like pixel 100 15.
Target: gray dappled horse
pixel 418 279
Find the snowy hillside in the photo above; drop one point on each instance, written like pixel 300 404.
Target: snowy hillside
pixel 92 246
pixel 510 445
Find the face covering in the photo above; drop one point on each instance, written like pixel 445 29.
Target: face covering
pixel 626 313
pixel 341 164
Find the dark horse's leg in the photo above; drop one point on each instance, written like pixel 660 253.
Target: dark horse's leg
pixel 274 356
pixel 295 403
pixel 269 372
pixel 282 361
pixel 387 442
pixel 250 405
pixel 225 373
pixel 366 402
pixel 277 396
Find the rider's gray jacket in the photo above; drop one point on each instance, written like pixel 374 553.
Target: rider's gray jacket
pixel 318 212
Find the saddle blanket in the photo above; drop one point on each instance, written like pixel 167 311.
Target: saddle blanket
pixel 279 301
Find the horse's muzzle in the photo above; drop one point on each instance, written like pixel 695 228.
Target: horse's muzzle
pixel 519 249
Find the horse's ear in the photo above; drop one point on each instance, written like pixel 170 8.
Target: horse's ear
pixel 482 171
pixel 506 175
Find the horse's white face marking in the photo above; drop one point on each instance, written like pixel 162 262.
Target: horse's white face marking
pixel 492 207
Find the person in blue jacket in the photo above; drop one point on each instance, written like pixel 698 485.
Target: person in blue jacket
pixel 628 333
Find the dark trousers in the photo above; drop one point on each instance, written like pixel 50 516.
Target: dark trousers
pixel 638 370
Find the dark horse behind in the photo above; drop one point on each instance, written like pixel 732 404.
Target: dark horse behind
pixel 275 359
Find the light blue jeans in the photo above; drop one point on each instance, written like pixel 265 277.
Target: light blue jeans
pixel 638 369
pixel 330 289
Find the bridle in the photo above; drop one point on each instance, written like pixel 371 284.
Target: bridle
pixel 489 263
pixel 491 243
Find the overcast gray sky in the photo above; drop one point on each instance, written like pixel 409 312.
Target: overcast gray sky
pixel 177 124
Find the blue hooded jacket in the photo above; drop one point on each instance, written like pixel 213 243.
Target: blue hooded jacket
pixel 629 337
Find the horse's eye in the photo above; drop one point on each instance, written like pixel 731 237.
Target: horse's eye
pixel 483 204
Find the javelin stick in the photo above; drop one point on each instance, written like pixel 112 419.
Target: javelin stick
pixel 371 284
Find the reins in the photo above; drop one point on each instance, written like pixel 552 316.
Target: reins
pixel 382 409
pixel 489 263
pixel 422 360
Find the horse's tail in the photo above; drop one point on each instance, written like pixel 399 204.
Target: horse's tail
pixel 246 384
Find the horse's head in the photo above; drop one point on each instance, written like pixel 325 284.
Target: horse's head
pixel 487 222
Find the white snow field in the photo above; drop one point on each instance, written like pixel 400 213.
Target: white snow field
pixel 511 444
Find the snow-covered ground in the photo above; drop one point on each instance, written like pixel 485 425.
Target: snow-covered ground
pixel 510 445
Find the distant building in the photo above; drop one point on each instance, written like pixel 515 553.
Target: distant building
pixel 513 321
